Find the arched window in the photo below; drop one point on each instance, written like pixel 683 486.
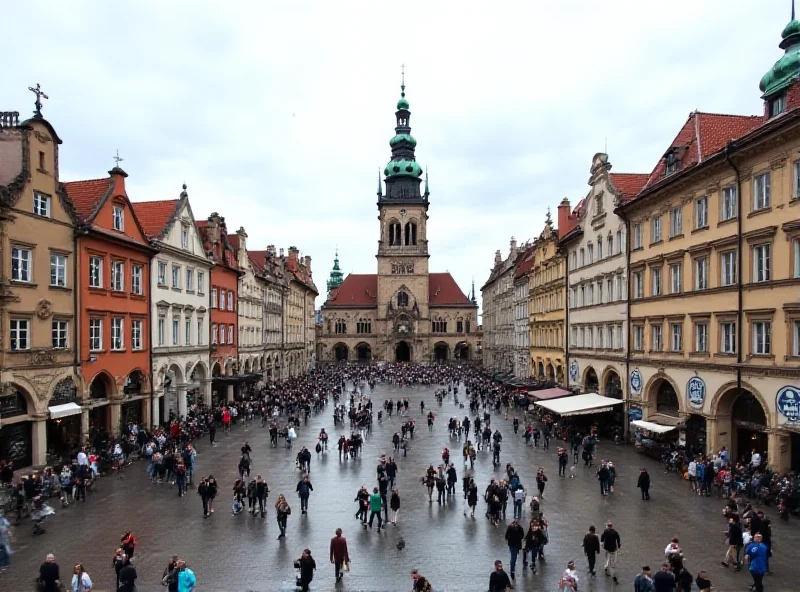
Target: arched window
pixel 364 326
pixel 439 325
pixel 341 326
pixel 610 245
pixel 411 233
pixel 395 234
pixel 402 299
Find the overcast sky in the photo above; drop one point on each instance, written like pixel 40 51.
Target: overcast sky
pixel 279 118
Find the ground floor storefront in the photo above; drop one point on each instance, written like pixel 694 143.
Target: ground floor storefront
pixel 181 381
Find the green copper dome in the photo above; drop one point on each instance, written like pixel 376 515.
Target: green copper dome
pixel 791 29
pixel 403 137
pixel 402 103
pixel 402 167
pixel 787 68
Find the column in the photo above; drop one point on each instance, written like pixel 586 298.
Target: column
pixel 85 424
pixel 779 451
pixel 181 402
pixel 39 442
pixel 229 393
pixel 147 408
pixel 114 416
pixel 156 419
pixel 207 393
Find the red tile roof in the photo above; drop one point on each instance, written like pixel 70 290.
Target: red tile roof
pixel 87 195
pixel 526 261
pixel 362 290
pixel 233 240
pixel 703 135
pixel 155 215
pixel 628 184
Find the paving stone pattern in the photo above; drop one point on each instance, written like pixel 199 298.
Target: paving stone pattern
pixel 456 553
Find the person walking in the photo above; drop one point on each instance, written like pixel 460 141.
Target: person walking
pixel 283 511
pixel 81 582
pixel 375 508
pixel 307 566
pixel 262 493
pixel 519 502
pixel 563 459
pixel 541 480
pixel 170 576
pixel 643 483
pixel 304 489
pixel 735 538
pixel 127 577
pixel 514 537
pixel 49 578
pixel 611 545
pixel 498 580
pixel 591 548
pixel 339 554
pixel 643 582
pixel 472 498
pixel 394 503
pixel 186 578
pixel 664 580
pixel 756 553
pixel 603 475
pixel 202 491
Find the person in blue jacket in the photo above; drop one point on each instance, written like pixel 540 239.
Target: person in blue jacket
pixel 756 553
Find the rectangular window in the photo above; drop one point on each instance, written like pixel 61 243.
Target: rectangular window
pixel 618 337
pixel 590 295
pixel 162 330
pixel 95 272
pixel 675 222
pixel 656 228
pixel 657 338
pixel 185 237
pixel 213 334
pixel 589 337
pixel 58 270
pixel 213 298
pixel 638 284
pixel 230 334
pixel 583 258
pixel 761 197
pixel 656 276
pixel 21 260
pixel 761 263
pixel 600 338
pixel 59 329
pixel 777 105
pixel 599 248
pixel 701 337
pixel 638 337
pixel 701 273
pixel 136 279
pixel 41 205
pixel 175 330
pixel 728 337
pixel 117 276
pixel 796 178
pixel 637 235
pixel 201 280
pixel 796 257
pixel 796 339
pixel 610 290
pixel 117 329
pixel 574 336
pixel 162 274
pixel 190 280
pixel 762 333
pixel 620 294
pixel 95 334
pixel 222 299
pixel 591 254
pixel 459 327
pixel 119 218
pixel 222 334
pixel 701 212
pixel 676 336
pixel 728 203
pixel 188 336
pixel 600 292
pixel 230 300
pixel 200 339
pixel 136 335
pixel 176 276
pixel 20 334
pixel 676 283
pixel 728 268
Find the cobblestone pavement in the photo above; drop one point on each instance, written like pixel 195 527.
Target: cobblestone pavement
pixel 241 553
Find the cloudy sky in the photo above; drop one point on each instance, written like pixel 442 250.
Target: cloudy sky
pixel 278 114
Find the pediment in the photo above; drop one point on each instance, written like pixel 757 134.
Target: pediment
pixel 163 304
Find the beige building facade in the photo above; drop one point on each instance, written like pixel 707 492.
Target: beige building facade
pixel 498 313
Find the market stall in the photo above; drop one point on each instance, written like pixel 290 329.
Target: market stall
pixel 585 412
pixel 654 439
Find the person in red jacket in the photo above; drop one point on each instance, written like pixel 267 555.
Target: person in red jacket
pixel 128 543
pixel 339 554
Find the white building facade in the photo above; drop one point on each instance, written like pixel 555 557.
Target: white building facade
pixel 522 358
pixel 250 309
pixel 497 296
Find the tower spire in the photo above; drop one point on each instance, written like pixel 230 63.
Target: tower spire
pixel 403 69
pixel 792 9
pixel 380 189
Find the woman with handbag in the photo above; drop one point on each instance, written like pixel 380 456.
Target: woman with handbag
pixel 283 511
pixel 81 582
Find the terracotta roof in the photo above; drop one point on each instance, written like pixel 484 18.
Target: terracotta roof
pixel 526 262
pixel 233 240
pixel 703 135
pixel 155 215
pixel 628 184
pixel 87 195
pixel 362 290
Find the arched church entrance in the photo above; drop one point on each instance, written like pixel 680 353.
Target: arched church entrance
pixel 363 352
pixel 402 353
pixel 340 352
pixel 441 352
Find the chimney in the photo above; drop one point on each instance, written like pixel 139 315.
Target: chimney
pixel 563 217
pixel 118 177
pixel 293 253
pixel 307 261
pixel 241 254
pixel 498 258
pixel 281 252
pixel 513 252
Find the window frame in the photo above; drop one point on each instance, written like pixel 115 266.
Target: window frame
pixel 676 275
pixel 23 264
pixel 727 343
pixel 98 327
pixel 176 330
pixel 676 221
pixel 762 262
pixel 638 337
pixel 701 212
pixel 162 277
pixel 657 328
pixel 701 262
pixel 161 330
pixel 729 203
pixel 697 336
pixel 118 218
pixel 118 328
pixel 761 344
pixel 656 280
pixel 39 199
pixel 673 335
pixel 59 332
pixel 56 267
pixel 117 275
pixel 16 331
pixel 137 274
pixel 201 279
pixel 762 198
pixel 176 277
pixel 656 230
pixel 137 331
pixel 723 268
pixel 189 279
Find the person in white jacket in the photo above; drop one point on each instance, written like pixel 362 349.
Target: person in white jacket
pixel 81 582
pixel 570 579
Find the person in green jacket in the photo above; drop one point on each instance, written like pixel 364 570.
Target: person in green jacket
pixel 375 508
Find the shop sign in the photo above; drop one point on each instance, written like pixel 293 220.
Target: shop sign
pixel 635 414
pixel 574 370
pixel 696 392
pixel 788 403
pixel 636 382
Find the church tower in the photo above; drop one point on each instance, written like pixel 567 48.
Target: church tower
pixel 336 277
pixel 402 296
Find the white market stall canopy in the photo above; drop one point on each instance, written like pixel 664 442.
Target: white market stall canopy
pixel 656 428
pixel 64 410
pixel 580 404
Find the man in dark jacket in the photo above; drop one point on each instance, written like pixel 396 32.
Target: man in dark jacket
pixel 127 577
pixel 735 543
pixel 514 535
pixel 304 489
pixel 611 545
pixel 339 553
pixel 498 581
pixel 591 547
pixel 48 574
pixel 664 581
pixel 603 475
pixel 644 484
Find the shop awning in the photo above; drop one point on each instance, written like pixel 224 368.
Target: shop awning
pixel 656 428
pixel 65 410
pixel 551 393
pixel 580 404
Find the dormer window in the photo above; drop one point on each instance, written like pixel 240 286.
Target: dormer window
pixel 777 105
pixel 119 218
pixel 671 163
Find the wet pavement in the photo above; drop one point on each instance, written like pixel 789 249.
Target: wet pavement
pixel 241 553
